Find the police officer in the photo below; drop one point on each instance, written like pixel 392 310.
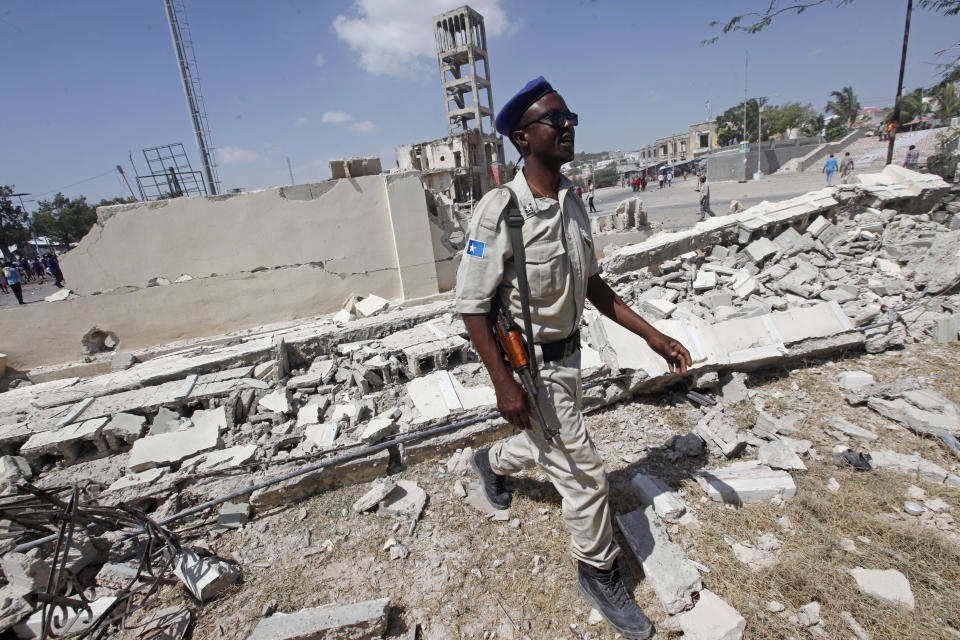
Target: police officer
pixel 562 272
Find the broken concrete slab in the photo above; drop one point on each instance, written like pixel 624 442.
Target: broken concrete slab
pixel 321 372
pixel 321 435
pixel 204 576
pixel 313 482
pixel 778 455
pixel 370 306
pixel 170 448
pixel 651 490
pixel 358 621
pixel 221 458
pixel 13 471
pixel 673 576
pixel 722 437
pixel 914 466
pixel 914 418
pixel 377 429
pixel 380 489
pixel 745 482
pixel 711 619
pixel 751 556
pixel 760 249
pixel 233 514
pixel 66 441
pixel 852 430
pixel 165 421
pixel 123 428
pixel 890 585
pixel 275 401
pixel 405 501
pixel 733 387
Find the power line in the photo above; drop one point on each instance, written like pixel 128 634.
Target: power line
pixel 45 193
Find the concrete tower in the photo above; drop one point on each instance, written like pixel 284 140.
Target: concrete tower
pixel 464 70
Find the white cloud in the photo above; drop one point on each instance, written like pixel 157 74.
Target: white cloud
pixel 335 117
pixel 236 155
pixel 319 60
pixel 302 120
pixel 364 126
pixel 815 52
pixel 395 37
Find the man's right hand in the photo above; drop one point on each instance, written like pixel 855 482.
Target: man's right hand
pixel 512 403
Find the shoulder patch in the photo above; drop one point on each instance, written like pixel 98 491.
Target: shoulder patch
pixel 475 248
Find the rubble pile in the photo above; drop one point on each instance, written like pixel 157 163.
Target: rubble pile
pixel 238 422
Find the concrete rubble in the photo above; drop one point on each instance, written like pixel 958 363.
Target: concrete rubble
pixel 889 585
pixel 358 621
pixel 853 267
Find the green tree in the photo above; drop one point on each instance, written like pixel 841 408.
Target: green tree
pixel 911 106
pixel 730 123
pixel 13 220
pixel 836 129
pixel 948 102
pixel 845 105
pixel 63 219
pixel 607 177
pixel 790 115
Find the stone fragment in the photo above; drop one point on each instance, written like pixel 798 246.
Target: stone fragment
pixel 116 576
pixel 321 372
pixel 13 471
pixel 309 414
pixel 221 458
pixel 25 572
pixel 754 558
pixel 169 448
pixel 746 482
pixel 689 444
pixel 859 631
pixel 136 479
pixel 711 619
pixel 165 421
pixel 657 309
pixel 760 249
pixel 66 441
pixel 770 428
pixel 809 614
pixel 775 607
pixel 733 387
pixel 833 485
pixel 204 576
pixel 405 501
pixel 379 490
pixel 233 514
pixel 276 402
pixel 889 585
pixel 938 505
pixel 778 455
pixel 855 379
pixel 651 490
pixel 322 435
pixel 721 436
pixel 358 621
pixel 851 429
pixel 671 573
pixel 916 419
pixel 370 306
pixel 914 466
pixel 377 429
pixel 123 428
pixel 264 370
pixel 59 295
pixel 122 362
pixel 705 281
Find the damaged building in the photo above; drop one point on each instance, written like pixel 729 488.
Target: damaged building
pixel 460 168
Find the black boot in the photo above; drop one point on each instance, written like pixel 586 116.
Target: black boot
pixel 493 489
pixel 604 590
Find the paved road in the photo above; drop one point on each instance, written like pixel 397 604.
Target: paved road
pixel 679 206
pixel 33 293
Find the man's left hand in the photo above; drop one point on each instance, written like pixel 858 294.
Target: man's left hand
pixel 676 355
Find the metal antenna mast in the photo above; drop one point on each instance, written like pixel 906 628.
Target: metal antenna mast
pixel 186 58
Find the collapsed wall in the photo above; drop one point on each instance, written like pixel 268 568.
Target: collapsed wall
pixel 155 272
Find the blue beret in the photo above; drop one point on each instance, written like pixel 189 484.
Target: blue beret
pixel 518 104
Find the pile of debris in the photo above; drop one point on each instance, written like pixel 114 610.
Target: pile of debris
pixel 250 422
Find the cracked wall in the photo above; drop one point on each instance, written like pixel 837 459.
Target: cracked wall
pixel 161 271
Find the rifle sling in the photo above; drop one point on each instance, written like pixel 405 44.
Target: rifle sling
pixel 515 229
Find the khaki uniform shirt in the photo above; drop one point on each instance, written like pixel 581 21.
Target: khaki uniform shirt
pixel 559 254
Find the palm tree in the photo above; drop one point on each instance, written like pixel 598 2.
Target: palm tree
pixel 845 105
pixel 948 101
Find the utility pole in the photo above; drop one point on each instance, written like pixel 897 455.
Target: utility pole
pixel 746 56
pixel 290 169
pixel 33 234
pixel 896 105
pixel 124 176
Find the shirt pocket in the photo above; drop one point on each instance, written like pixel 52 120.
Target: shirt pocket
pixel 547 268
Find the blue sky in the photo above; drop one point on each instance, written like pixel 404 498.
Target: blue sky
pixel 86 83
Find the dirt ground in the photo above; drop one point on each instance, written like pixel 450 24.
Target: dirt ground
pixel 469 577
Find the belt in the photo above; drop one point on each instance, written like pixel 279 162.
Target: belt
pixel 561 349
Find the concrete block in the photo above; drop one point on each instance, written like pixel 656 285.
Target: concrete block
pixel 321 371
pixel 855 379
pixel 672 575
pixel 733 387
pixel 204 576
pixel 705 280
pixel 276 402
pixel 357 621
pixel 722 437
pixel 746 482
pixel 653 491
pixel 946 329
pixel 164 421
pixel 122 362
pixel 370 306
pixel 914 418
pixel 71 621
pixel 890 586
pixel 851 429
pixel 321 435
pixel 25 572
pixel 377 429
pixel 711 619
pixel 66 441
pixel 744 284
pixel 169 448
pixel 149 476
pixel 657 309
pixel 233 514
pixel 309 414
pixel 221 458
pixel 778 455
pixel 62 294
pixel 760 249
pixel 717 299
pixel 405 501
pixel 123 428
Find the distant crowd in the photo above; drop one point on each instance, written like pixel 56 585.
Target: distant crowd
pixel 21 270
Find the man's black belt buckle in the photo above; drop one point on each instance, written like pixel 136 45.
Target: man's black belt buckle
pixel 561 349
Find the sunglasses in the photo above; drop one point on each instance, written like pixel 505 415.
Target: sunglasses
pixel 556 119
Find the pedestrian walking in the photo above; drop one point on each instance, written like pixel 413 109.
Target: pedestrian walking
pixel 3 281
pixel 536 209
pixel 705 209
pixel 660 178
pixel 53 268
pixel 912 158
pixel 846 168
pixel 669 177
pixel 829 167
pixel 580 192
pixel 643 182
pixel 12 275
pixel 591 192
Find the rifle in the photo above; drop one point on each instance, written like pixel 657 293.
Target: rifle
pixel 514 351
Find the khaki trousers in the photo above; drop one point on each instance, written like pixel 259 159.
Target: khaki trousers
pixel 572 463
